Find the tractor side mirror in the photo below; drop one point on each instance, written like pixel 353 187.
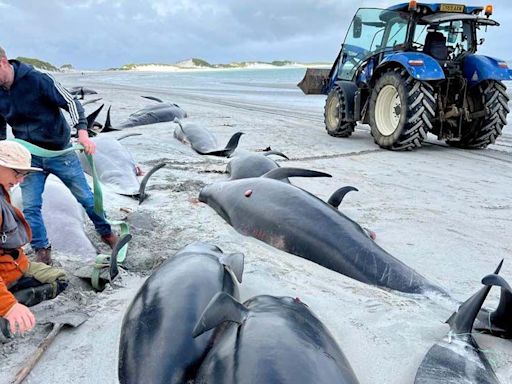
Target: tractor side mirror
pixel 357 28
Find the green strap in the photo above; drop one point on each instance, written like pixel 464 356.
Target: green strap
pixel 101 259
pixel 42 152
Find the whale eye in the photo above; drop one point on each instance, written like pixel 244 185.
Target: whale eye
pixel 248 193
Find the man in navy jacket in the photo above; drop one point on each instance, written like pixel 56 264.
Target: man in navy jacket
pixel 31 103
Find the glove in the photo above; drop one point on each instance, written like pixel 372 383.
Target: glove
pixel 20 319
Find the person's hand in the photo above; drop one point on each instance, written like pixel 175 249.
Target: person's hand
pixel 89 145
pixel 20 319
pixel 139 171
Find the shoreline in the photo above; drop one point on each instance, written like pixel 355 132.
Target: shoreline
pixel 176 69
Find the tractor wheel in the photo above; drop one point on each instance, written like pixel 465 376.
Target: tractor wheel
pixel 401 111
pixel 480 132
pixel 334 114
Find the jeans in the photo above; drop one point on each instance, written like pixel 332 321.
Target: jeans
pixel 67 168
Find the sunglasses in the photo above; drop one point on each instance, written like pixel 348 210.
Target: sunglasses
pixel 20 174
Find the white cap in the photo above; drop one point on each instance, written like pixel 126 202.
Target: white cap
pixel 15 156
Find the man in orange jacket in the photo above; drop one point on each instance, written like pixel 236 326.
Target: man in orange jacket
pixel 22 283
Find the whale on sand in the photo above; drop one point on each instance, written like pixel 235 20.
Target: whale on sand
pixel 245 164
pixel 458 358
pixel 269 339
pixel 150 114
pixel 116 167
pixel 81 91
pixel 64 220
pixel 156 344
pixel 297 222
pixel 203 141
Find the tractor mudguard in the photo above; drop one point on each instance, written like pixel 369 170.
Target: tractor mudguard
pixel 349 92
pixel 478 68
pixel 429 70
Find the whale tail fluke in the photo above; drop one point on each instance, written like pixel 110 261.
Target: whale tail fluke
pixel 235 262
pixel 144 182
pixel 337 197
pixel 498 322
pixel 222 307
pixel 285 172
pixel 461 322
pixel 229 149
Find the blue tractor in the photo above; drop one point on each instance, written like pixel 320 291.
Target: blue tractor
pixel 412 69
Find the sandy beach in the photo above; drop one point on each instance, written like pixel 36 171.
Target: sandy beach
pixel 444 212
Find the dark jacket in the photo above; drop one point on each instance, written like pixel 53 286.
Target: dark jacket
pixel 32 107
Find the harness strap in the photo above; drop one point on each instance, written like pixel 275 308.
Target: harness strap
pixel 101 259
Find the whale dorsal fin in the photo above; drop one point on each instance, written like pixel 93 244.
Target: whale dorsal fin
pixel 143 183
pixel 229 149
pixel 235 262
pixel 337 197
pixel 277 153
pixel 284 172
pixel 461 322
pixel 222 307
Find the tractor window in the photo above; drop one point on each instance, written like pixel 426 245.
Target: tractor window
pixel 456 34
pixel 371 30
pixel 397 32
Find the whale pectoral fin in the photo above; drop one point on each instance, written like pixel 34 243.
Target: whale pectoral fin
pixel 461 322
pixel 235 262
pixel 498 322
pixel 284 172
pixel 179 128
pixel 153 98
pixel 222 307
pixel 337 197
pixel 143 183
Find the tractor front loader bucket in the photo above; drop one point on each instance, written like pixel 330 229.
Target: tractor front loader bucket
pixel 315 81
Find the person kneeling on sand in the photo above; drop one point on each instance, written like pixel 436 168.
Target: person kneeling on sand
pixel 22 283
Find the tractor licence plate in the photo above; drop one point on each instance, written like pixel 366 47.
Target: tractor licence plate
pixel 451 8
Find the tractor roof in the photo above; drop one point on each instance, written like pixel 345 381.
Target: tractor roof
pixel 434 8
pixel 443 17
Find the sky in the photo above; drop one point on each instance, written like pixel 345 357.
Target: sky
pixel 101 34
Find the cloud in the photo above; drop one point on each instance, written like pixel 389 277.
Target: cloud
pixel 100 34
